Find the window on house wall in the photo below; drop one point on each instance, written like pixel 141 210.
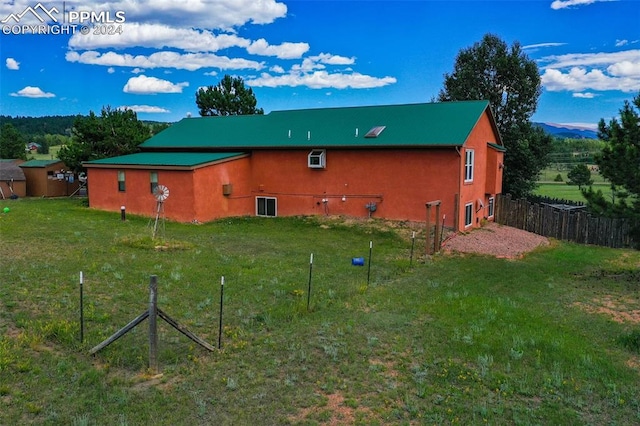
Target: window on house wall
pixel 492 203
pixel 468 165
pixel 317 159
pixel 121 182
pixel 266 206
pixel 468 215
pixel 153 180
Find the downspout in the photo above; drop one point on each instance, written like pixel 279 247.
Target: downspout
pixel 456 216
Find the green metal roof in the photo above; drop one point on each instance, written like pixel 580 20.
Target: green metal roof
pixel 39 163
pixel 412 125
pixel 497 147
pixel 171 159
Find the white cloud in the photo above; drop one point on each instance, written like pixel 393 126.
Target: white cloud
pixel 578 79
pixel 164 59
pixel 563 4
pixel 143 85
pixel 621 42
pixel 145 108
pixel 277 68
pixel 211 73
pixel 111 70
pixel 137 70
pixel 32 92
pixel 590 59
pixel 320 80
pixel 223 14
pixel 12 64
pixel 625 69
pixel 329 59
pixel 539 45
pixel 159 36
pixel 585 95
pixel 282 51
pixel 578 72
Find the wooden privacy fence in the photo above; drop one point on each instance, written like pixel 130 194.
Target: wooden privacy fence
pixel 568 223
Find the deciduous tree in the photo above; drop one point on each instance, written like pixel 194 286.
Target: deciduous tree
pixel 229 97
pixel 510 81
pixel 579 175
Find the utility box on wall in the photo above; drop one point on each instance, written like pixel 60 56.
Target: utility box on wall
pixel 227 189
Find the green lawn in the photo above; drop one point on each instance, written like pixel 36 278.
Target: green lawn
pixel 567 192
pixel 449 340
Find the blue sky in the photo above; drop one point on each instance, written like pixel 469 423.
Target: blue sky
pixel 305 54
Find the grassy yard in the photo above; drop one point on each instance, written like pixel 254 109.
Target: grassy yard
pixel 449 340
pixel 567 192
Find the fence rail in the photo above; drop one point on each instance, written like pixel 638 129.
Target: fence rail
pixel 568 223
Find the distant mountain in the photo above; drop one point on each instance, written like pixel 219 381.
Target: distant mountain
pixel 572 132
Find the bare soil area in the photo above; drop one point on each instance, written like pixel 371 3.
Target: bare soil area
pixel 495 240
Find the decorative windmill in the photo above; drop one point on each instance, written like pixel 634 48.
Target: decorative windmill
pixel 161 193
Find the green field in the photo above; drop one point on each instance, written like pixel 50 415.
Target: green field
pixel 448 340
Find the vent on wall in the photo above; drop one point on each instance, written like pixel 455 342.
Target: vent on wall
pixel 227 189
pixel 375 132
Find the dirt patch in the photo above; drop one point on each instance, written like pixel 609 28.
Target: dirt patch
pixel 495 240
pixel 621 309
pixel 341 413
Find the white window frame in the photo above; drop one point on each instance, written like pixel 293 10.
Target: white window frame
pixel 492 207
pixel 468 215
pixel 153 180
pixel 317 159
pixel 469 157
pixel 266 207
pixel 122 181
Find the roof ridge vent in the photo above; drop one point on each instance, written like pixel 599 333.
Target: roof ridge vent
pixel 375 131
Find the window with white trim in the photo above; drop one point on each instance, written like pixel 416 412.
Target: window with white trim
pixel 468 215
pixel 266 206
pixel 317 159
pixel 153 180
pixel 492 203
pixel 468 165
pixel 121 181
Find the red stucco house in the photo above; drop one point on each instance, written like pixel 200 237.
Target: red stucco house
pixel 383 161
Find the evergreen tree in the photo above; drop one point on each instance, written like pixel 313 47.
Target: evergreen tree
pixel 12 144
pixel 619 162
pixel 228 97
pixel 115 132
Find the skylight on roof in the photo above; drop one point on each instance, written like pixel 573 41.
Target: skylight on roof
pixel 375 131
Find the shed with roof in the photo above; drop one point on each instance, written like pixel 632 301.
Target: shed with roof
pixel 12 180
pixel 386 161
pixel 49 178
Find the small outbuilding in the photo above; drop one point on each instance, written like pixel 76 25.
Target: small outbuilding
pixel 12 180
pixel 49 178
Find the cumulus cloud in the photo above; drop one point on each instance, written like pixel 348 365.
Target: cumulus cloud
pixel 281 51
pixel 12 64
pixel 586 95
pixel 320 80
pixel 163 59
pixel 145 108
pixel 563 4
pixel 159 36
pixel 32 92
pixel 143 85
pixel 594 71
